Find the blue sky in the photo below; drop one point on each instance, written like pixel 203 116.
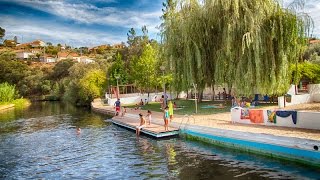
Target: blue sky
pixel 91 22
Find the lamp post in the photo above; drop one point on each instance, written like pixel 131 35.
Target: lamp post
pixel 118 94
pixel 195 96
pixel 162 68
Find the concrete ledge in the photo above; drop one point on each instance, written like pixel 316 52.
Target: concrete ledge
pixel 293 149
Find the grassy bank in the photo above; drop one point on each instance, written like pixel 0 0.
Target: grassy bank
pixel 17 103
pixel 189 107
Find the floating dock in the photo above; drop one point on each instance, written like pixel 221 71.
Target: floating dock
pixel 153 130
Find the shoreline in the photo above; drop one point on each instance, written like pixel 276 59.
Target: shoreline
pixel 293 144
pixel 6 107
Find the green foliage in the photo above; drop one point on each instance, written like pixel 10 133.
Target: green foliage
pixel 307 70
pixel 34 83
pixel 21 103
pixel 312 52
pixel 250 47
pixel 84 83
pixel 61 69
pixel 11 71
pixel 91 85
pixel 2 32
pixel 144 68
pixel 7 55
pixel 7 92
pixel 118 69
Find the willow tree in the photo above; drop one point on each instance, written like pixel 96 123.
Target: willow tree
pixel 247 44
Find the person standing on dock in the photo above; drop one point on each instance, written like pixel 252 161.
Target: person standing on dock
pixel 171 110
pixel 149 117
pixel 118 107
pixel 166 118
pixel 142 124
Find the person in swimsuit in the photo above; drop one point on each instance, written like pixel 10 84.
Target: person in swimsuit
pixel 142 124
pixel 149 117
pixel 166 118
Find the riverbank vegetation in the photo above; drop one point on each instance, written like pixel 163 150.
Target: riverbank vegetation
pixel 9 97
pixel 79 83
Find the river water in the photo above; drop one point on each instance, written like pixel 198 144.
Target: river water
pixel 41 142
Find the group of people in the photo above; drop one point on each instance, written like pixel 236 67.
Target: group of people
pixel 167 114
pixel 143 122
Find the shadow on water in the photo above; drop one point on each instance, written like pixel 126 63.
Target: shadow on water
pixel 41 142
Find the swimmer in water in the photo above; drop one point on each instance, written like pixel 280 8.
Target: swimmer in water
pixel 78 130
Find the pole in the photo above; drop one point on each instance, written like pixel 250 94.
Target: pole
pixel 164 91
pixel 195 97
pixel 118 94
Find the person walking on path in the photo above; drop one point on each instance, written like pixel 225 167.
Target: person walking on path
pixel 117 104
pixel 171 110
pixel 166 119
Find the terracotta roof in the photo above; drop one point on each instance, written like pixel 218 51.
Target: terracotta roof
pixel 35 43
pixel 67 54
pixel 315 41
pixel 21 50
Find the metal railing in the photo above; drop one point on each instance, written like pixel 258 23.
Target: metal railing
pixel 186 116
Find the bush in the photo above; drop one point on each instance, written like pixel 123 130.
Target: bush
pixel 7 92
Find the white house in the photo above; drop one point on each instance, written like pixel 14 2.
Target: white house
pixel 48 59
pixel 23 54
pixel 86 60
pixel 68 55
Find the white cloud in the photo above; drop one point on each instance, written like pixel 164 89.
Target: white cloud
pixel 90 14
pixel 31 30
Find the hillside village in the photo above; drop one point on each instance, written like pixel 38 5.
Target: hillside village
pixel 45 52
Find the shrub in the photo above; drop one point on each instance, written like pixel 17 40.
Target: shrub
pixel 7 92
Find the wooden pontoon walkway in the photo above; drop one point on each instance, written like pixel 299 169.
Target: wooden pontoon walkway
pixel 154 130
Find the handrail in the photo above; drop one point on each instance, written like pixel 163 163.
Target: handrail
pixel 186 115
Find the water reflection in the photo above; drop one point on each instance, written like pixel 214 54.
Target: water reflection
pixel 42 142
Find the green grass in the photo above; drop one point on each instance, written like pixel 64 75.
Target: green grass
pixel 189 107
pixel 18 103
pixel 21 103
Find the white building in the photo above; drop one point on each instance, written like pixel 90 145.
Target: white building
pixel 23 54
pixel 86 60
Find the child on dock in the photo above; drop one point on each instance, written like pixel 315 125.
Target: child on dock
pixel 166 118
pixel 149 117
pixel 124 111
pixel 142 124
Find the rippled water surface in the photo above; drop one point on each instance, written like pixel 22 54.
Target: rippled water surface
pixel 41 142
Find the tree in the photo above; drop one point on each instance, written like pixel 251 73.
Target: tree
pixel 61 69
pixel 131 37
pixel 250 47
pixel 144 68
pixel 15 39
pixel 91 86
pixel 2 32
pixel 117 69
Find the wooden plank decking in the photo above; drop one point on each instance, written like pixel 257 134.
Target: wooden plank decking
pixel 154 130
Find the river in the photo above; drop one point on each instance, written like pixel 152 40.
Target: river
pixel 41 142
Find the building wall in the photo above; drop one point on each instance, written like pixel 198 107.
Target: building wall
pixel 312 96
pixel 307 120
